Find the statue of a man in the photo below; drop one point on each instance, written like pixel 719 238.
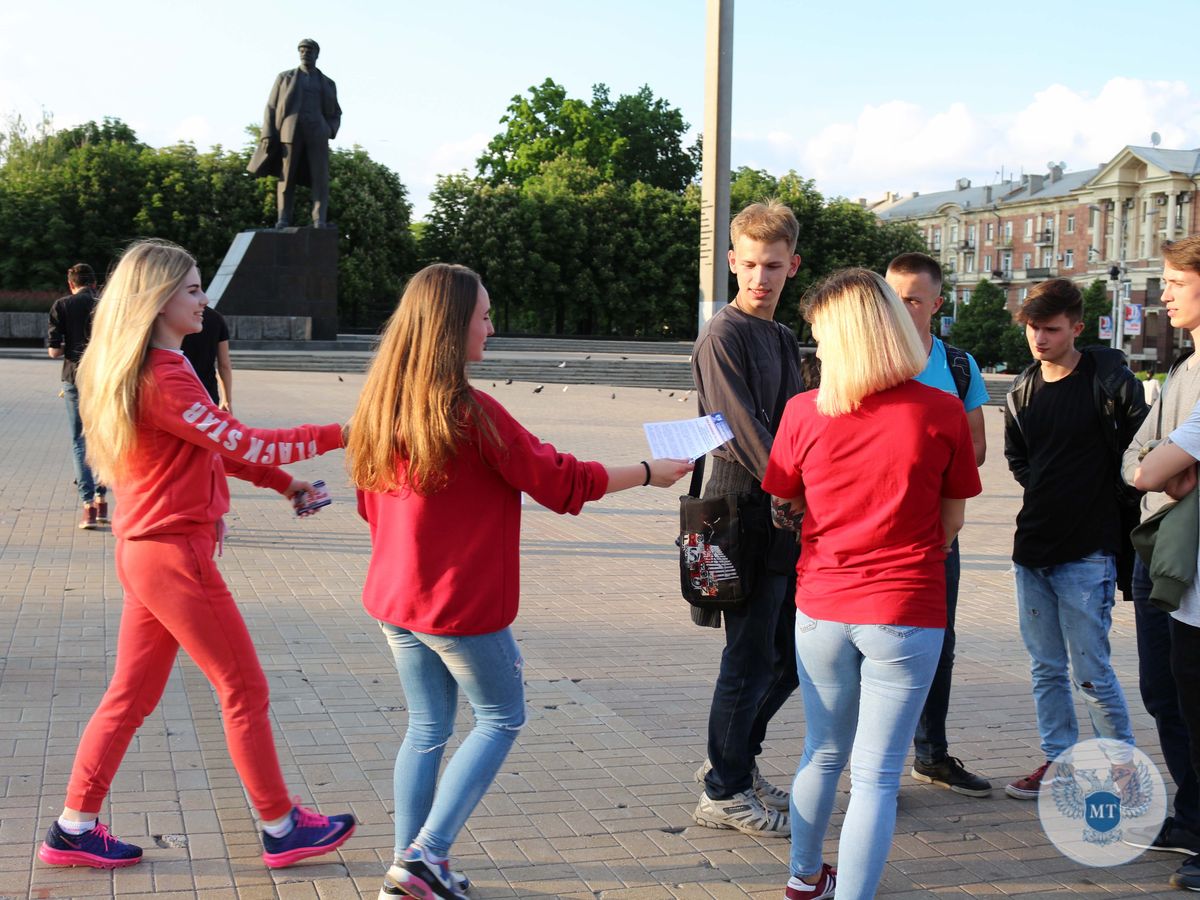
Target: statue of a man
pixel 301 118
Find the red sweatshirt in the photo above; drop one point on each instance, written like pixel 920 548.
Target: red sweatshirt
pixel 448 563
pixel 175 479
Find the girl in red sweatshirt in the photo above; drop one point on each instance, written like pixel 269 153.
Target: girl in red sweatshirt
pixel 166 448
pixel 440 469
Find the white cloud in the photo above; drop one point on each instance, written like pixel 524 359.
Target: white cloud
pixel 902 146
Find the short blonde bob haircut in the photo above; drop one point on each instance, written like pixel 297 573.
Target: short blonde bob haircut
pixel 866 339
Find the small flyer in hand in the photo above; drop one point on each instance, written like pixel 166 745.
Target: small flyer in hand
pixel 687 439
pixel 308 502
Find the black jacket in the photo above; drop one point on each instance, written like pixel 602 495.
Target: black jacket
pixel 1120 403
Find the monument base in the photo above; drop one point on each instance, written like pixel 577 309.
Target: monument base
pixel 289 272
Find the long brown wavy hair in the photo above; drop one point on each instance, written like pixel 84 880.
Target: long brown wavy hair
pixel 416 404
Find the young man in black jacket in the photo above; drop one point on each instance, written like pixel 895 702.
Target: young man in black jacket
pixel 1068 419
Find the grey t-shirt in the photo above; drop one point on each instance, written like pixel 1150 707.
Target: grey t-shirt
pixel 1187 438
pixel 1175 402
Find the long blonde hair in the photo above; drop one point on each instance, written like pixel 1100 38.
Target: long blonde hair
pixel 866 338
pixel 416 402
pixel 149 272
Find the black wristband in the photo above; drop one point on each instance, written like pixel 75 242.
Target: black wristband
pixel 646 466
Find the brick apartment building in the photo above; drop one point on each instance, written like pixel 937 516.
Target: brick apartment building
pixel 1077 225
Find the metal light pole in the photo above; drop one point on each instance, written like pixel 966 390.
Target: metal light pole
pixel 715 164
pixel 1118 313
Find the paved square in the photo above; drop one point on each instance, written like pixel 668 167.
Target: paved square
pixel 596 799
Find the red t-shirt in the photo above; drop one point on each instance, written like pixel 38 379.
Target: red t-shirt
pixel 447 563
pixel 873 481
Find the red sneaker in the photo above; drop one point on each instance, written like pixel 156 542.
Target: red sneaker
pixel 824 888
pixel 87 519
pixel 1029 787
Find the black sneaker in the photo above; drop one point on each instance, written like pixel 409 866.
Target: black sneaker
pixel 1187 876
pixel 1171 838
pixel 950 773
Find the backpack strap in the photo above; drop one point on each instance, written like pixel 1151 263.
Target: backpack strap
pixel 960 370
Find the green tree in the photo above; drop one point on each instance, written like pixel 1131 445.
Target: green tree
pixel 1096 303
pixel 1014 348
pixel 982 324
pixel 638 137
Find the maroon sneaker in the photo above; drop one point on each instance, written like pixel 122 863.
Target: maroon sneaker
pixel 101 510
pixel 824 888
pixel 88 518
pixel 1029 787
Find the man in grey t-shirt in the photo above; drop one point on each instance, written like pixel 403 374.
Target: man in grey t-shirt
pixel 1155 635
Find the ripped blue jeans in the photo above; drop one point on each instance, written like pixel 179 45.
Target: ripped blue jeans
pixel 488 668
pixel 1066 614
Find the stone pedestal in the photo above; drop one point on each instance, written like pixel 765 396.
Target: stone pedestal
pixel 281 272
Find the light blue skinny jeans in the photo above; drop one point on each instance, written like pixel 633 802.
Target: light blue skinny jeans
pixel 864 687
pixel 488 669
pixel 1066 614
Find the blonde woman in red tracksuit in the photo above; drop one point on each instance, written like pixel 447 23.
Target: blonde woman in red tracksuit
pixel 166 448
pixel 440 469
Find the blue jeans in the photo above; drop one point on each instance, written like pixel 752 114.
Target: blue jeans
pixel 88 488
pixel 930 742
pixel 1161 697
pixel 488 668
pixel 1066 614
pixel 863 688
pixel 758 674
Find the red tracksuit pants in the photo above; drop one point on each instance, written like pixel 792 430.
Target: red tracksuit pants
pixel 175 597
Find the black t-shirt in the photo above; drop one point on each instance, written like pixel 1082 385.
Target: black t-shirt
pixel 1070 508
pixel 201 350
pixel 71 328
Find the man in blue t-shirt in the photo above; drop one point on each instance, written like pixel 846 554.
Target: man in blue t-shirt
pixel 917 279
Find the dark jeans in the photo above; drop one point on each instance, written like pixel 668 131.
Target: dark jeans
pixel 930 739
pixel 1165 692
pixel 88 488
pixel 758 673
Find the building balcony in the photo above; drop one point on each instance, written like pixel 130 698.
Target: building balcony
pixel 1004 242
pixel 1003 276
pixel 967 245
pixel 1037 274
pixel 1044 238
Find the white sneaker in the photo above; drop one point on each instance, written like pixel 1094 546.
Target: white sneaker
pixel 769 795
pixel 742 812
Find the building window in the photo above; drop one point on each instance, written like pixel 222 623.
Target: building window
pixel 1047 259
pixel 1029 228
pixel 1008 230
pixel 971 232
pixel 966 295
pixel 969 262
pixel 1006 262
pixel 1070 224
pixel 937 239
pixel 987 263
pixel 1026 260
pixel 954 234
pixel 991 231
pixel 1069 259
pixel 1022 294
pixel 1125 290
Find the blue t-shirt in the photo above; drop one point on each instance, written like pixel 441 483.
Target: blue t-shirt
pixel 937 374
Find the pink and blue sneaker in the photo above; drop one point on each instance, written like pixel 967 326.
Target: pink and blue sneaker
pixel 311 835
pixel 96 848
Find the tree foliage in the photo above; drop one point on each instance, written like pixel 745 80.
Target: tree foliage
pixel 82 194
pixel 637 137
pixel 1096 303
pixel 982 324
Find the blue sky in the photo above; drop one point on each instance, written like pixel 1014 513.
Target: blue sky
pixel 862 96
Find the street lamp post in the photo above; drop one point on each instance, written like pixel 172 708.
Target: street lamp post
pixel 1118 314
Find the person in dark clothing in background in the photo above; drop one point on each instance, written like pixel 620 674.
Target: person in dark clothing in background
pixel 70 330
pixel 208 352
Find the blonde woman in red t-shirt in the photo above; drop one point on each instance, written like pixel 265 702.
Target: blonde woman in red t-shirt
pixel 873 470
pixel 155 435
pixel 440 469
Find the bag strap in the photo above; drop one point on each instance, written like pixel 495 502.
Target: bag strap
pixel 697 477
pixel 960 370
